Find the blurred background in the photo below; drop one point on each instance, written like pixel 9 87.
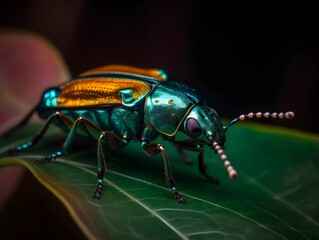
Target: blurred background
pixel 240 57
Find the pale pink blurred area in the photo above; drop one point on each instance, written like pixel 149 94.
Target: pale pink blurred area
pixel 28 65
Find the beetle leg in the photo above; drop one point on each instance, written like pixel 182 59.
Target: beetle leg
pixel 203 168
pixel 192 145
pixel 67 122
pixel 113 140
pixel 98 133
pixel 184 157
pixel 82 124
pixel 101 166
pixel 181 146
pixel 153 149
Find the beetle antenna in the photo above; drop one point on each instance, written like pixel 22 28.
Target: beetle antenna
pixel 231 171
pixel 287 115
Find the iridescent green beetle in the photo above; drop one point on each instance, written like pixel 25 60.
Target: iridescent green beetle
pixel 116 104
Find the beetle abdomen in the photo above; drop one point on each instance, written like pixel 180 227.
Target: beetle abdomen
pixel 124 122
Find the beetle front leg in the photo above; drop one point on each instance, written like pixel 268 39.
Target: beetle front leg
pixel 203 169
pixel 194 146
pixel 155 148
pixel 185 159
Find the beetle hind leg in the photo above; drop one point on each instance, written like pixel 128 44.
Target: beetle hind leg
pixel 61 118
pixel 74 127
pixel 85 124
pixel 49 158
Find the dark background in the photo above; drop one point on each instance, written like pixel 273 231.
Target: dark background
pixel 241 57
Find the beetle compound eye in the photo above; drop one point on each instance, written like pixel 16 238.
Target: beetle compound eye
pixel 193 128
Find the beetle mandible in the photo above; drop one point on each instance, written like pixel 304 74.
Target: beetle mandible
pixel 116 104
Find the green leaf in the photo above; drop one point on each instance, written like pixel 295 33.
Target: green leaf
pixel 275 195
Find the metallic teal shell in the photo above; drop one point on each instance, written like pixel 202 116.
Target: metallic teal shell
pixel 168 104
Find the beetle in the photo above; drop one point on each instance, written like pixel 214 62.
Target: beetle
pixel 116 104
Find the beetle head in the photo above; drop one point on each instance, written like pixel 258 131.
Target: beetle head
pixel 203 124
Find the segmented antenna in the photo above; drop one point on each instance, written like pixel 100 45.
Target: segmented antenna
pixel 231 171
pixel 287 115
